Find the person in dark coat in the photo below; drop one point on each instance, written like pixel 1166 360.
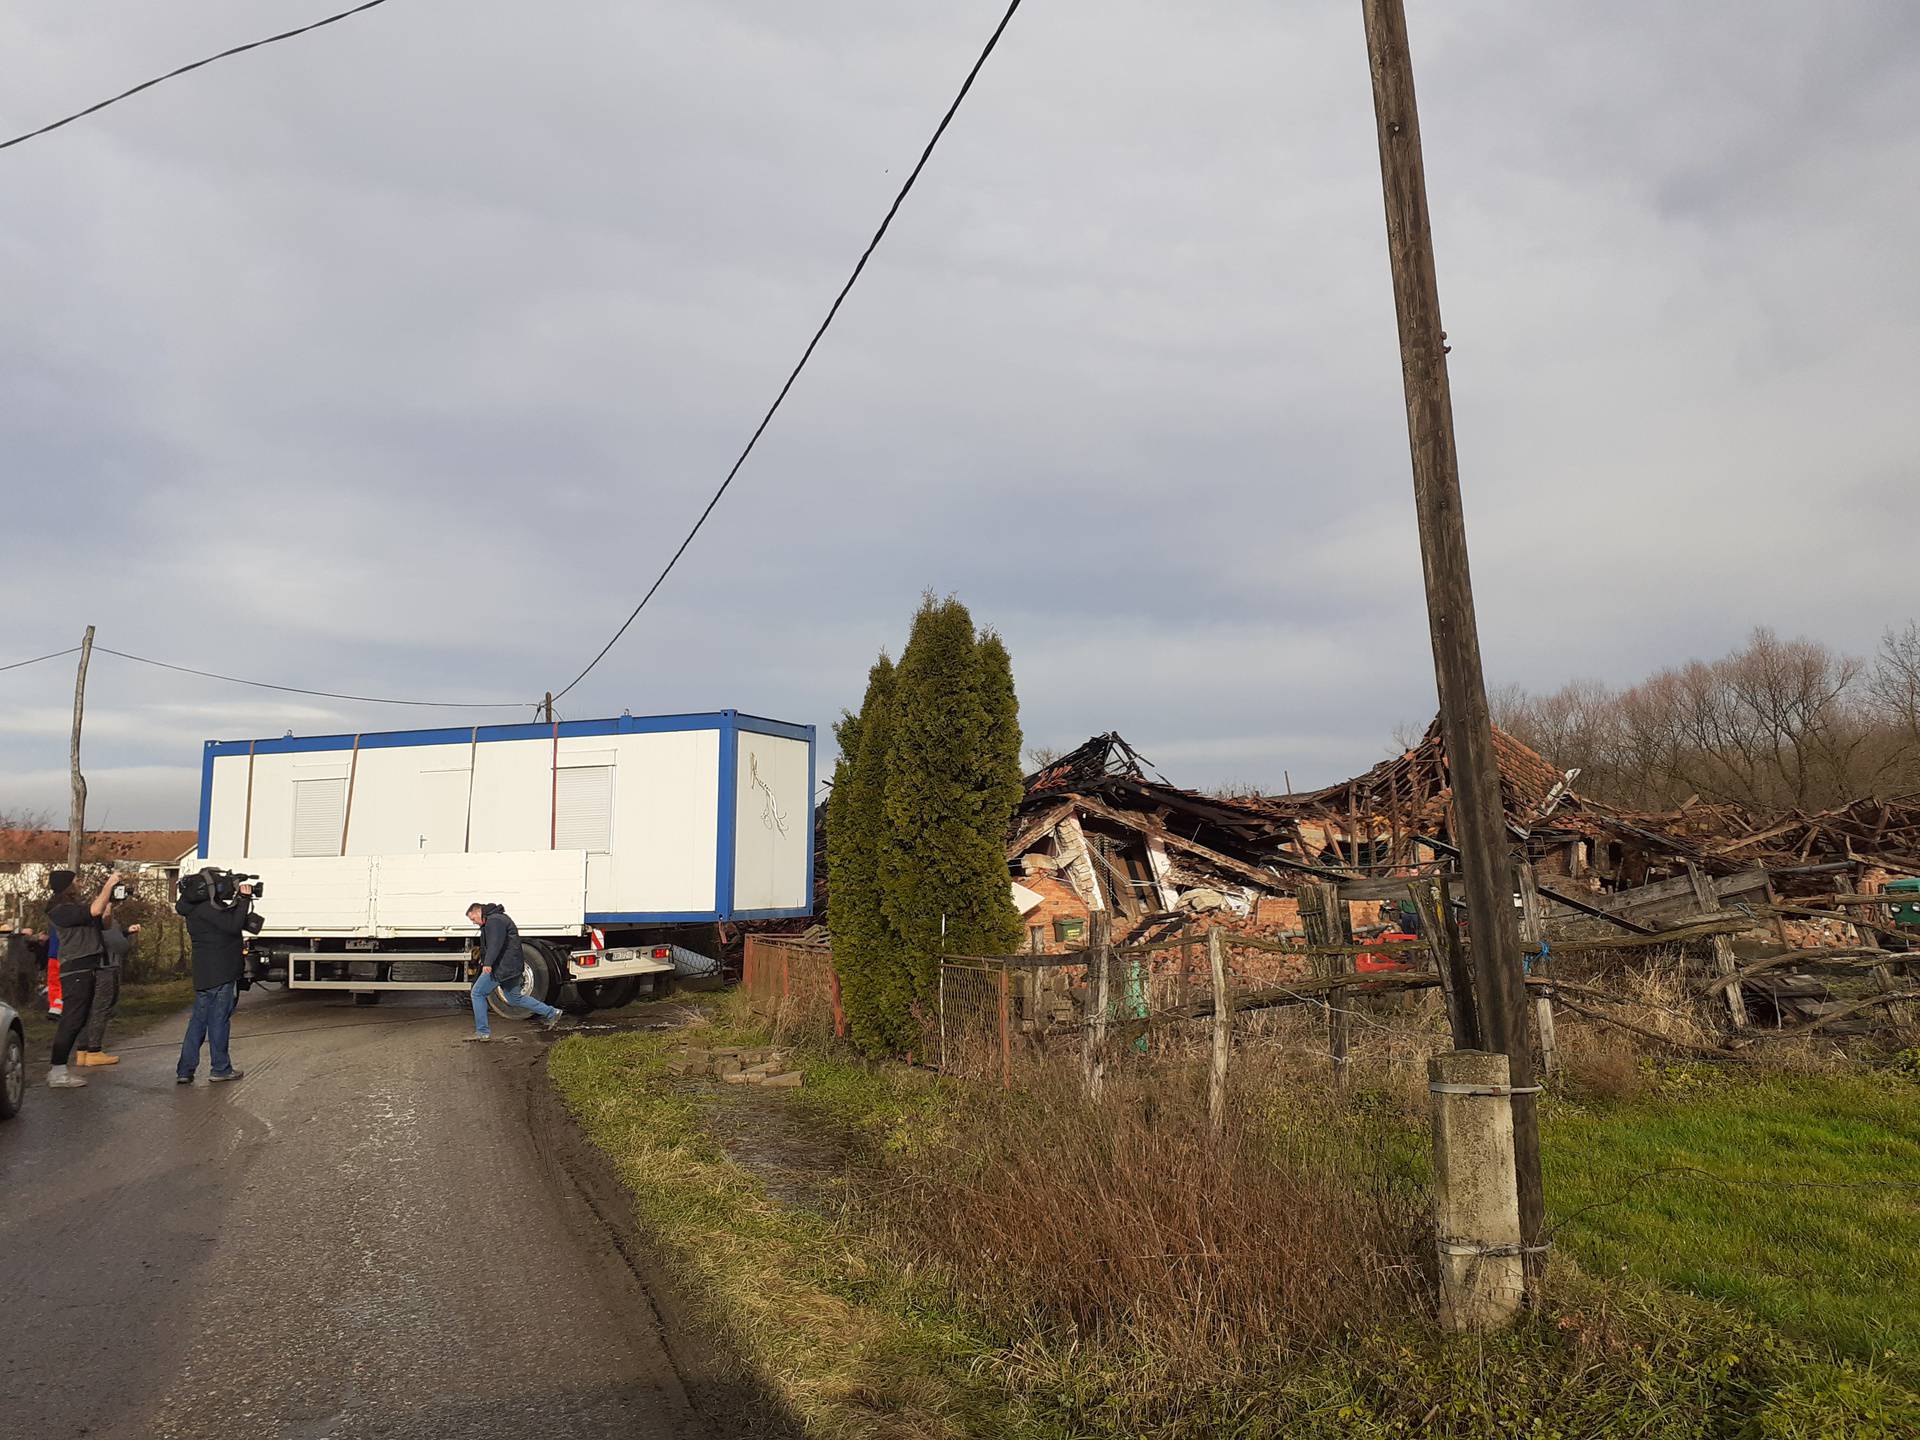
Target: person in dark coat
pixel 91 1048
pixel 501 969
pixel 75 924
pixel 218 935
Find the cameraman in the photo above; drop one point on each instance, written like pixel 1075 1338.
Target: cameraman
pixel 75 927
pixel 218 932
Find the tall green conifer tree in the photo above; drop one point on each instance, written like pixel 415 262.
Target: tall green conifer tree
pixel 956 733
pixel 866 952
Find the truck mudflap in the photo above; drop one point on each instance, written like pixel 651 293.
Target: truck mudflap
pixel 619 960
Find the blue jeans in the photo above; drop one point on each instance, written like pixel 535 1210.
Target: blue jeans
pixel 486 985
pixel 212 1017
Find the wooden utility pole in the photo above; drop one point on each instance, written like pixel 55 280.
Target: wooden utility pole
pixel 546 707
pixel 77 804
pixel 1465 723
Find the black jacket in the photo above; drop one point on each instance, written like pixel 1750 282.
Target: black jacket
pixel 217 935
pixel 500 944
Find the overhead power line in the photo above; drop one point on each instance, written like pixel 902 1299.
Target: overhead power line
pixel 301 690
pixel 38 658
pixel 807 354
pixel 197 64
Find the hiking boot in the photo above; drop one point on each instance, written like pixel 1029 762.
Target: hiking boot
pixel 59 1078
pixel 555 1020
pixel 96 1057
pixel 230 1075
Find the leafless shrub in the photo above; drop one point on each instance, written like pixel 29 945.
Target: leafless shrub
pixel 1129 1223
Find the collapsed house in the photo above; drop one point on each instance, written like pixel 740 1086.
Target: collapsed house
pixel 1099 831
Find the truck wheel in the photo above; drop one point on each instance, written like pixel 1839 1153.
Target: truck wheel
pixel 540 979
pixel 612 994
pixel 366 997
pixel 577 999
pixel 13 1073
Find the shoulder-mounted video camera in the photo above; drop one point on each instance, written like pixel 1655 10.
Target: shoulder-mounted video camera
pixel 222 888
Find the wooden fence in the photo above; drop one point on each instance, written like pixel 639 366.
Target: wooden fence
pixel 794 984
pixel 1190 990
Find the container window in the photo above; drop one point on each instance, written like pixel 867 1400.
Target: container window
pixel 319 815
pixel 583 809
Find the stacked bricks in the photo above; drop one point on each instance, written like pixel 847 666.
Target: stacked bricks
pixel 764 1065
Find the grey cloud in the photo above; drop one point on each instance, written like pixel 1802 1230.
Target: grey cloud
pixel 399 358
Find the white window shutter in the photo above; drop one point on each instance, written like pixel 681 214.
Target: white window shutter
pixel 319 814
pixel 583 809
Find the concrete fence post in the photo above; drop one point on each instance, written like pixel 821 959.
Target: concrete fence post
pixel 1476 1192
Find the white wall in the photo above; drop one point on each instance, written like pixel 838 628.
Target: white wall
pixel 772 836
pixel 414 800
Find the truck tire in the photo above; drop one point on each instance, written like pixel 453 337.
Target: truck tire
pixel 366 997
pixel 577 999
pixel 540 978
pixel 612 994
pixel 13 1072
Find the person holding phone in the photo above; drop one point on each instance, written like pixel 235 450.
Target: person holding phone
pixel 77 924
pixel 118 942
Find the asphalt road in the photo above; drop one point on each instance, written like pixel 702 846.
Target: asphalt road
pixel 380 1231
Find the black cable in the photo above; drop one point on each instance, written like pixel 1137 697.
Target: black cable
pixel 38 658
pixel 323 694
pixel 806 355
pixel 171 74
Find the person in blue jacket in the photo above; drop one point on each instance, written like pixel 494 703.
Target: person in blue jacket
pixel 501 968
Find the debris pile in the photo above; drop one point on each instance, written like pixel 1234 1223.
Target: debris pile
pixel 764 1065
pixel 1099 830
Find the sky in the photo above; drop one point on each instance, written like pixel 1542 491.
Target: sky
pixel 397 358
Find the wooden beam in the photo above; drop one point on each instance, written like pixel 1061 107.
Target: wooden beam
pixel 1265 878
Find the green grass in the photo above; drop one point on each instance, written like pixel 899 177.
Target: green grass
pixel 1794 1198
pixel 860 1345
pixel 850 1343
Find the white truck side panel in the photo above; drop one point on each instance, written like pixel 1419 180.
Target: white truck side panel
pixel 417 895
pixel 772 838
pixel 544 891
pixel 329 896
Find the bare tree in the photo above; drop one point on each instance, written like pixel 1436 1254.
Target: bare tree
pixel 1776 724
pixel 1893 691
pixel 24 819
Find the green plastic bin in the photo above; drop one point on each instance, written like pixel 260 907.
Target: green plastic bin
pixel 1906 914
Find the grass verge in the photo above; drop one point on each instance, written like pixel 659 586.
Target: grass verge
pixel 1794 1198
pixel 911 1307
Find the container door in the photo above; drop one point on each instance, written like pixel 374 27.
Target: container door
pixel 442 821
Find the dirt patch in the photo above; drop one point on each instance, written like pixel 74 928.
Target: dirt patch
pixel 723 1391
pixel 802 1159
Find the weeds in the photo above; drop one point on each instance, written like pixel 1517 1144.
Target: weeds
pixel 1028 1265
pixel 1129 1224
